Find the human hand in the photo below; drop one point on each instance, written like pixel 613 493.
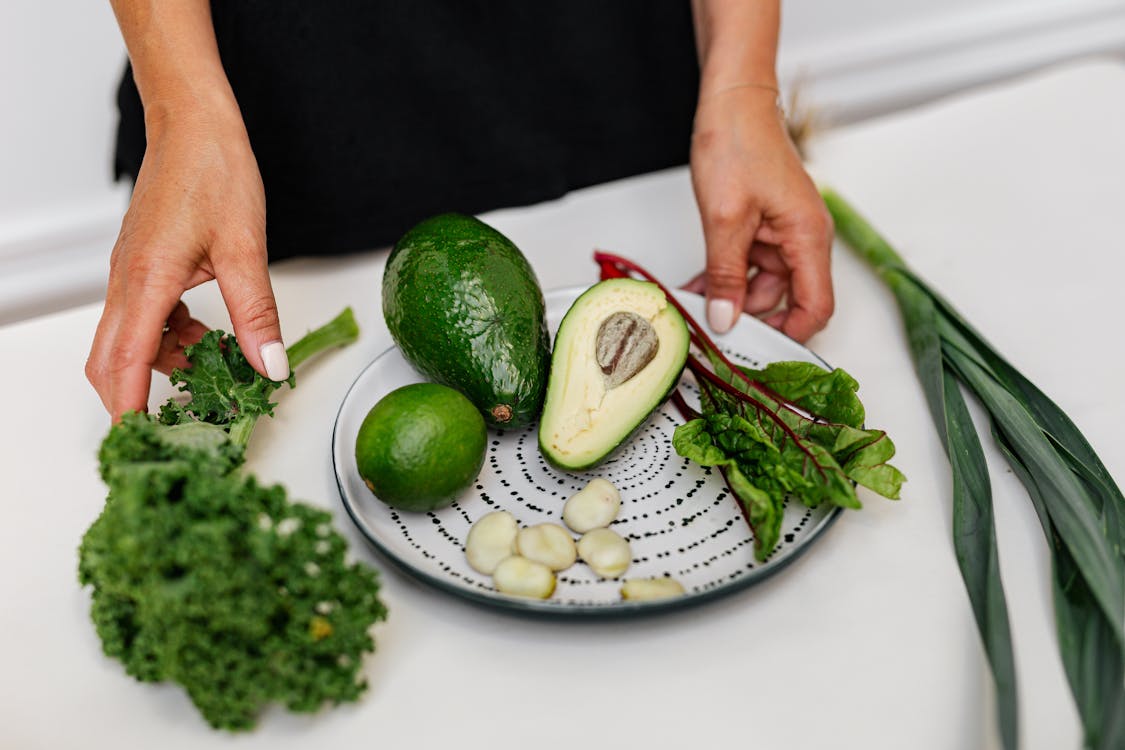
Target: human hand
pixel 761 213
pixel 197 213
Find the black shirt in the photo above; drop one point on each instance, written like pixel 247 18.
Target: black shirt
pixel 366 117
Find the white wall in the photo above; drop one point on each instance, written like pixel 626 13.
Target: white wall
pixel 858 58
pixel 59 64
pixel 59 210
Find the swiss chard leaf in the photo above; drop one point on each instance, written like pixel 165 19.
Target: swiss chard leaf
pixel 751 464
pixel 863 455
pixel 828 394
pixel 830 454
pixel 824 478
pixel 765 459
pixel 791 428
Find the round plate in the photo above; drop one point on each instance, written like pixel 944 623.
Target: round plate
pixel 679 518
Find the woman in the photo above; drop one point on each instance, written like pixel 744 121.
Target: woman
pixel 352 121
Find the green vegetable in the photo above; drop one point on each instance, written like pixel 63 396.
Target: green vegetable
pixel 618 353
pixel 1079 506
pixel 465 308
pixel 791 429
pixel 421 446
pixel 226 391
pixel 202 576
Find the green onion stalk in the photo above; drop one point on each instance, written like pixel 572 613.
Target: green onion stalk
pixel 1079 505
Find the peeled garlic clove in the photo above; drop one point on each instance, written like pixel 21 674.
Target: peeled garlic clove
pixel 606 552
pixel 519 576
pixel 491 539
pixel 648 589
pixel 547 543
pixel 593 507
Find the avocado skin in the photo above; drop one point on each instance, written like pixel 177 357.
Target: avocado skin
pixel 463 305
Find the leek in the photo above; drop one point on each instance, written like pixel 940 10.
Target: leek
pixel 1079 505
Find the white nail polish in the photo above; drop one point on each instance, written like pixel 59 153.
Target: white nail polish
pixel 720 315
pixel 276 360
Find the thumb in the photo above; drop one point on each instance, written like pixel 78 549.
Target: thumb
pixel 244 282
pixel 728 248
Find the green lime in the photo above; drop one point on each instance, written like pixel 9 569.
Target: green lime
pixel 421 446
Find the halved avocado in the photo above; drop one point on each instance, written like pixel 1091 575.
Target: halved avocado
pixel 618 354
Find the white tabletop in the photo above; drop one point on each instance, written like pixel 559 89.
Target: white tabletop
pixel 1008 200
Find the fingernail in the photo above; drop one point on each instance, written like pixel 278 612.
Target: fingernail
pixel 720 315
pixel 276 360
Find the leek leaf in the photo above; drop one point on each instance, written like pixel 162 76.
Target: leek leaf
pixel 1095 668
pixel 1080 507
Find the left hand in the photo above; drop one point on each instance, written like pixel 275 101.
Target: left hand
pixel 761 213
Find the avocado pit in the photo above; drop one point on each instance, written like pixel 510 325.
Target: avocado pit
pixel 626 343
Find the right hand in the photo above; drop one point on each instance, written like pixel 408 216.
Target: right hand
pixel 198 212
pixel 760 210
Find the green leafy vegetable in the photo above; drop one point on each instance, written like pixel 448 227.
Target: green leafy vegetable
pixel 790 429
pixel 138 438
pixel 1079 505
pixel 224 387
pixel 226 391
pixel 202 576
pixel 830 394
pixel 757 472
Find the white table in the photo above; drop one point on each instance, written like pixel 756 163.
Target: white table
pixel 1009 200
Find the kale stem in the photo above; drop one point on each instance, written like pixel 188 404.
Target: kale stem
pixel 339 331
pixel 241 429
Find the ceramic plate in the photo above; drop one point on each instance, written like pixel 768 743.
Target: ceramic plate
pixel 679 518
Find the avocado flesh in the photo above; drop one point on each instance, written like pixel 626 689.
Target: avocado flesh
pixel 584 420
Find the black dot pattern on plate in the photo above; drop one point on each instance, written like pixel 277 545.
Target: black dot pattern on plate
pixel 679 518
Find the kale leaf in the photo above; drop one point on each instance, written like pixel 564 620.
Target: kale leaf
pixel 225 390
pixel 224 586
pixel 203 576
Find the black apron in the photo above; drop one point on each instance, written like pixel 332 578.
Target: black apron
pixel 366 117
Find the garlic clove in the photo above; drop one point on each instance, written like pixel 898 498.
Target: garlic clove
pixel 606 552
pixel 651 589
pixel 593 507
pixel 491 539
pixel 549 544
pixel 519 576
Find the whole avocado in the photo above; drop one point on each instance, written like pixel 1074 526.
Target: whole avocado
pixel 463 305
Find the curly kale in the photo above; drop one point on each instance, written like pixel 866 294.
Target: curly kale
pixel 222 384
pixel 202 576
pixel 139 438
